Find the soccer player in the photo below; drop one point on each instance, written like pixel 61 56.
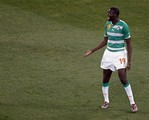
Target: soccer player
pixel 116 56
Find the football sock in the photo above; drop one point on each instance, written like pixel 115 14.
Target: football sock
pixel 105 91
pixel 129 93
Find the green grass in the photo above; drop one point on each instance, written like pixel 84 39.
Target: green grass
pixel 42 73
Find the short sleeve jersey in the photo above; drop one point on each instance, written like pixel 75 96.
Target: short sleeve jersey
pixel 117 34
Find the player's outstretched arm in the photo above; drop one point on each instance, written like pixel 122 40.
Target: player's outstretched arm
pixel 100 45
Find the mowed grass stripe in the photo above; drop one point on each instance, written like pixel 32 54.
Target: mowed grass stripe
pixel 38 67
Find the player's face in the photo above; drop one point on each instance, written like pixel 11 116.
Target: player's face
pixel 111 15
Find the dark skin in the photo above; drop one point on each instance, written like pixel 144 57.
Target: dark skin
pixel 112 16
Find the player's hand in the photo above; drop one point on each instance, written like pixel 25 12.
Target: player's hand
pixel 128 66
pixel 87 53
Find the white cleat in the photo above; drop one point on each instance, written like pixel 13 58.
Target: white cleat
pixel 134 108
pixel 105 105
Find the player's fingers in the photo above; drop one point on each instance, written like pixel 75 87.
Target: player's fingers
pixel 87 52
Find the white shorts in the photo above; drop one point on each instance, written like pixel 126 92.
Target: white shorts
pixel 114 60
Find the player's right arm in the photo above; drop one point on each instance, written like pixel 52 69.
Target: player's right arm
pixel 99 46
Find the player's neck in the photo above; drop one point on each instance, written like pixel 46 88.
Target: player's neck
pixel 115 21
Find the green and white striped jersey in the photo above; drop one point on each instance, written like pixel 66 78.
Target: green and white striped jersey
pixel 116 35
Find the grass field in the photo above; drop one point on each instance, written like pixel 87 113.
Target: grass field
pixel 42 73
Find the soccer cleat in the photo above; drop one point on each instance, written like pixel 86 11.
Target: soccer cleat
pixel 105 105
pixel 134 108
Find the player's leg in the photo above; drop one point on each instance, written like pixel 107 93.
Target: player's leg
pixel 122 75
pixel 105 87
pixel 106 75
pixel 127 87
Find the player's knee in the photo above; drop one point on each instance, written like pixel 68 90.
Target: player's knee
pixel 124 81
pixel 106 79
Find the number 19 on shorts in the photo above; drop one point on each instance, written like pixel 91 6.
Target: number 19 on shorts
pixel 122 61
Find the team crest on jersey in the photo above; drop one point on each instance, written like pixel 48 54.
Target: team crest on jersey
pixel 109 26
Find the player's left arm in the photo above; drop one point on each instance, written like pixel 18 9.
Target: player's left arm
pixel 127 37
pixel 129 52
